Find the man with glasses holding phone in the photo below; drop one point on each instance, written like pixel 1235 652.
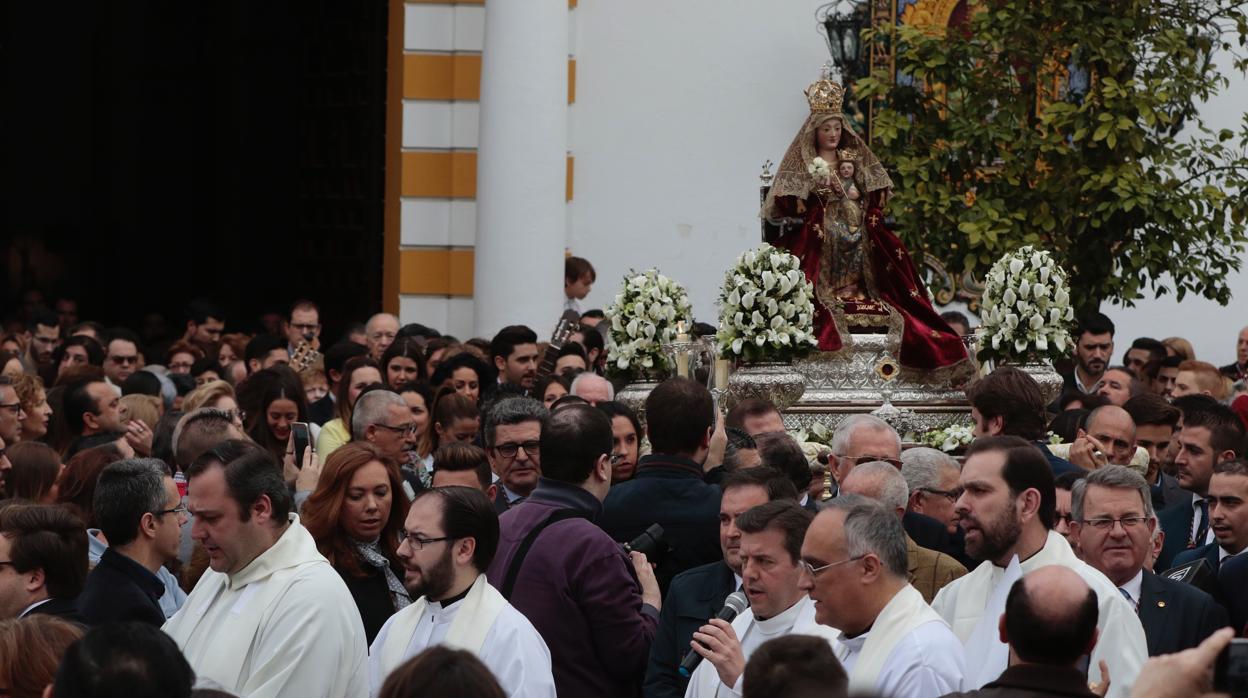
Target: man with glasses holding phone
pixel 1112 516
pixel 140 514
pixel 891 642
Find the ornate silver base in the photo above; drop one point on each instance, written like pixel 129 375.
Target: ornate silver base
pixel 634 396
pixel 863 378
pixel 774 381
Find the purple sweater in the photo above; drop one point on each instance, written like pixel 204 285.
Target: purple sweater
pixel 579 590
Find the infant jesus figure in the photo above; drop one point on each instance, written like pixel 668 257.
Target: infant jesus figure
pixel 846 170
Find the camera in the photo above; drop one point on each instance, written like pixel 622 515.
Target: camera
pixel 648 543
pixel 1231 671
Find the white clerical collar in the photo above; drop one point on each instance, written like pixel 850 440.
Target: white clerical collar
pixel 853 644
pixel 782 622
pixel 33 606
pixel 1135 587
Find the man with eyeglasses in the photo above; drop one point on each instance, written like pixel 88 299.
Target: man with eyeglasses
pixel 1007 510
pixel 449 539
pixel 11 412
pixel 771 573
pixel 1112 515
pixel 121 356
pixel 43 561
pixel 382 418
pixel 513 428
pixel 140 514
pixel 303 324
pixel 890 641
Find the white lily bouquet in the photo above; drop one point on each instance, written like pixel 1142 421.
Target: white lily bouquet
pixel 952 438
pixel 766 308
pixel 1026 309
pixel 643 316
pixel 819 169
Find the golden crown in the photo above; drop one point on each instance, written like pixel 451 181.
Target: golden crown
pixel 825 97
pixel 847 155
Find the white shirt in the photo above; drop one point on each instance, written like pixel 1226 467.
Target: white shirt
pixel 1134 589
pixel 284 625
pixel 799 619
pixel 513 651
pixel 926 662
pixel 1122 645
pixel 1223 554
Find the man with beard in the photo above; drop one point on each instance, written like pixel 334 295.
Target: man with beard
pixel 514 353
pixel 1007 510
pixel 1094 344
pixel 449 539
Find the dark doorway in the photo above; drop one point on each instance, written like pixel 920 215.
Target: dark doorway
pixel 159 151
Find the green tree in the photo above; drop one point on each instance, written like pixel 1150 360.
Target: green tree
pixel 996 144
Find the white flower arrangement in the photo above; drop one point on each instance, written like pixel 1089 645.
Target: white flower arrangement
pixel 813 441
pixel 819 168
pixel 643 316
pixel 1026 309
pixel 766 307
pixel 949 439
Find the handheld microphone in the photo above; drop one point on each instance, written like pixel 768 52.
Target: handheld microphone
pixel 1198 573
pixel 733 605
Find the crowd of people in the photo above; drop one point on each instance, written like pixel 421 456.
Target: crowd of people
pixel 403 513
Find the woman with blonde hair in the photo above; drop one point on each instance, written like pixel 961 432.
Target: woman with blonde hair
pixel 356 516
pixel 1177 346
pixel 145 408
pixel 34 400
pixel 218 394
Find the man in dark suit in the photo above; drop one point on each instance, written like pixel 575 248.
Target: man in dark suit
pixel 669 487
pixel 140 513
pixel 1233 587
pixel 776 449
pixel 513 426
pixel 1112 518
pixel 1228 515
pixel 1050 625
pixel 1008 402
pixel 1211 433
pixel 698 594
pixel 43 561
pixel 1155 422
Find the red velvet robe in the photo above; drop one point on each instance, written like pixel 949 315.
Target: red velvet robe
pixel 927 342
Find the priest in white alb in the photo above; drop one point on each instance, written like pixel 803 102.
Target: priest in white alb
pixel 771 541
pixel 891 643
pixel 271 617
pixel 449 539
pixel 1007 510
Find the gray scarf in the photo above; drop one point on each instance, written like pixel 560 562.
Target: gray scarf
pixel 371 553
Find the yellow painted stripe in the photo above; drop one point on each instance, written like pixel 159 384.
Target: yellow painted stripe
pixel 442 174
pixel 442 76
pixel 445 2
pixel 571 80
pixel 571 161
pixel 436 272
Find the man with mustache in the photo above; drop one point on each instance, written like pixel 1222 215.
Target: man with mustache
pixel 1112 516
pixel 1228 516
pixel 1094 344
pixel 449 539
pixel 1007 510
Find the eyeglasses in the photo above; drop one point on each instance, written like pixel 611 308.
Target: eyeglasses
pixel 179 510
pixel 531 448
pixel 1107 524
pixel 1059 517
pixel 124 359
pixel 869 459
pixel 406 429
pixel 419 543
pixel 240 415
pixel 15 406
pixel 804 566
pixel 951 495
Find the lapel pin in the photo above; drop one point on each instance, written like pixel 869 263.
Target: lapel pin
pixel 1161 604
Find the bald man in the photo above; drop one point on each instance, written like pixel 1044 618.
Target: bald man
pixel 1107 438
pixel 1050 625
pixel 592 388
pixel 379 334
pixel 927 570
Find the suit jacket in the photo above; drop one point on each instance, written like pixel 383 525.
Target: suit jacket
pixel 120 589
pixel 930 570
pixel 695 596
pixel 1177 524
pixel 1233 581
pixel 1057 464
pixel 500 502
pixel 1033 681
pixel 1167 493
pixel 933 535
pixel 65 609
pixel 1175 615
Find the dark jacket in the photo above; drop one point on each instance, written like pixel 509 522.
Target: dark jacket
pixel 1034 681
pixel 929 533
pixel 578 588
pixel 372 598
pixel 1176 522
pixel 1233 582
pixel 1208 551
pixel 1057 464
pixel 1167 493
pixel 695 596
pixel 667 490
pixel 119 590
pixel 1175 615
pixel 65 609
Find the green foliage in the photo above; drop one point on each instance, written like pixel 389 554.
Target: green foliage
pixel 1125 185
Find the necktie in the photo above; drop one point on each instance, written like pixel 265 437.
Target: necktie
pixel 1127 595
pixel 1202 528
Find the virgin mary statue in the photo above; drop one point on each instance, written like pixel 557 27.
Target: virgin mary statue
pixel 826 202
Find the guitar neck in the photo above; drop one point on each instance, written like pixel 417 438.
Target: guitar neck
pixel 547 365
